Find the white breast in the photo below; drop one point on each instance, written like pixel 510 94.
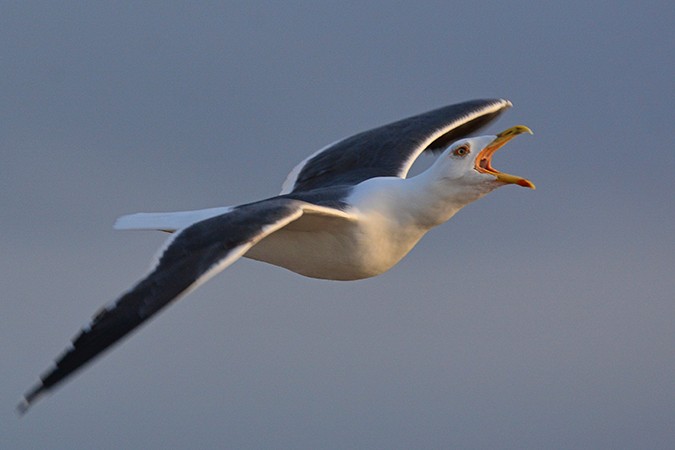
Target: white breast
pixel 340 250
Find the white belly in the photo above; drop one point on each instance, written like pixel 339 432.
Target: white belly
pixel 343 251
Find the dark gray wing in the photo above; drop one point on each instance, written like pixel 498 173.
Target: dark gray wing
pixel 194 255
pixel 391 149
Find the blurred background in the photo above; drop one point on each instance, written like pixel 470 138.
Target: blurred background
pixel 533 319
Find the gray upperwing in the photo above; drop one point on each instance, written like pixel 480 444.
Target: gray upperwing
pixel 391 149
pixel 194 254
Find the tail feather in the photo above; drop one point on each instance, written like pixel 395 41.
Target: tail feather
pixel 167 221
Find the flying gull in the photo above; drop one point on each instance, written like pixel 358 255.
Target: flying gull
pixel 346 212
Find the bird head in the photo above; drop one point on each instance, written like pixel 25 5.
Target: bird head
pixel 468 162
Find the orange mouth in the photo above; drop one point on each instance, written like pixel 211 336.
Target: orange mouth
pixel 484 158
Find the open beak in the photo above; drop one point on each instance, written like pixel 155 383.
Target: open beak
pixel 484 158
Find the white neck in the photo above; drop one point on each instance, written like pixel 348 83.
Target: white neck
pixel 423 201
pixel 433 200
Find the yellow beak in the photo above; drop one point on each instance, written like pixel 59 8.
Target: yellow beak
pixel 484 158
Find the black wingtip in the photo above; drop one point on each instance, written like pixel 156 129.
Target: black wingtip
pixel 22 407
pixel 30 398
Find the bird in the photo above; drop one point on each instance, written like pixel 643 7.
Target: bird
pixel 347 212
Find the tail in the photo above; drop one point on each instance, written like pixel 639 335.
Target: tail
pixel 167 221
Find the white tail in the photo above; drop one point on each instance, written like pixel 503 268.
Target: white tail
pixel 167 221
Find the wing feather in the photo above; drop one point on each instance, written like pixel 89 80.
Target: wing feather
pixel 390 150
pixel 193 256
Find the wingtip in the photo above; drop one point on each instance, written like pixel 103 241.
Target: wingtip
pixel 23 407
pixel 29 399
pixel 499 103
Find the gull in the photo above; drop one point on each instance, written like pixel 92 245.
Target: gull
pixel 346 212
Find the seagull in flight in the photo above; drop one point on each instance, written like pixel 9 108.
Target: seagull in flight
pixel 346 212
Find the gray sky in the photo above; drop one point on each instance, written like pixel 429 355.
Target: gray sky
pixel 533 319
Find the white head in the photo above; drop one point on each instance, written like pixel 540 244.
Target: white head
pixel 467 164
pixel 461 175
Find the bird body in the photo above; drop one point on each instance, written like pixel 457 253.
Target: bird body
pixel 347 212
pixel 337 249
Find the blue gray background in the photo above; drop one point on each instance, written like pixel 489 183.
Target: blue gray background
pixel 533 319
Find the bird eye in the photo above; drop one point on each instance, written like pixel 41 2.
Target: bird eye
pixel 462 150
